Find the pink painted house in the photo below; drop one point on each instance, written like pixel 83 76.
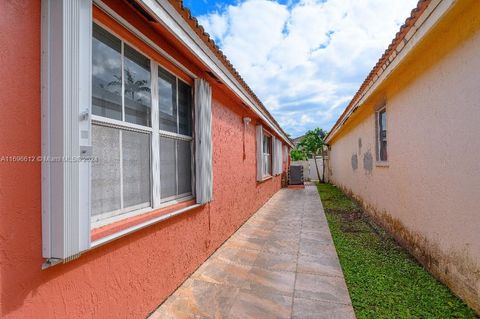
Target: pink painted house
pixel 130 150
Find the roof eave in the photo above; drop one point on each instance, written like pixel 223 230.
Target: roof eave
pixel 178 20
pixel 422 19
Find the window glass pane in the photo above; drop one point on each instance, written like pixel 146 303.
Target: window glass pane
pixel 168 184
pixel 383 120
pixel 267 165
pixel 383 150
pixel 167 96
pixel 184 155
pixel 184 108
pixel 106 74
pixel 382 135
pixel 267 142
pixel 136 169
pixel 138 100
pixel 105 170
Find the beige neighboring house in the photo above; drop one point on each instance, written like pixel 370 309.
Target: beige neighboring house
pixel 408 144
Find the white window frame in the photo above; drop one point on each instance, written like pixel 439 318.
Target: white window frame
pixel 177 137
pixel 66 102
pixel 154 132
pixel 378 134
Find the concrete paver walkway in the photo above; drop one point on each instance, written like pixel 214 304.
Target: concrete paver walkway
pixel 280 264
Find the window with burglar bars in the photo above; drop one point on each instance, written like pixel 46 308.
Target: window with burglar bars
pixel 141 115
pixel 382 135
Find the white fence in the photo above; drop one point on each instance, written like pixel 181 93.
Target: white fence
pixel 309 170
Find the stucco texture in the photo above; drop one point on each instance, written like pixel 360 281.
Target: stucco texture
pixel 428 194
pixel 131 276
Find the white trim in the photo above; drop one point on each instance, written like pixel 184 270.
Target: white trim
pixel 378 132
pixel 175 136
pixel 139 226
pixel 120 149
pixel 122 57
pixel 66 129
pixel 429 18
pixel 166 14
pixel 175 199
pixel 119 214
pixel 155 139
pixel 127 126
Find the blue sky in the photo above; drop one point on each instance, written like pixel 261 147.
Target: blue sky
pixel 305 59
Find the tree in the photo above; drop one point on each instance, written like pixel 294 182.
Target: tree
pixel 132 86
pixel 297 155
pixel 312 145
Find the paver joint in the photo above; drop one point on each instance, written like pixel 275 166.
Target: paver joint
pixel 280 264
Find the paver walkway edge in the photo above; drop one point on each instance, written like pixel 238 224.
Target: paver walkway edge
pixel 280 264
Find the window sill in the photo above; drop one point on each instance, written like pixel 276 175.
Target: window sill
pixel 107 233
pixel 112 218
pixel 382 164
pixel 266 178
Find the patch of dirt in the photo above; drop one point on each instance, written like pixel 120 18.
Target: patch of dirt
pixel 346 228
pixel 353 215
pixel 352 220
pixel 341 211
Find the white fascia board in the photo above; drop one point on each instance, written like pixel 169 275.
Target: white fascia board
pixel 166 14
pixel 429 18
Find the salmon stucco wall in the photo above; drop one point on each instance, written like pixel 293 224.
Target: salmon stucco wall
pixel 427 195
pixel 131 276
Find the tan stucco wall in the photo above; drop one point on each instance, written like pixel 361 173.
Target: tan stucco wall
pixel 429 195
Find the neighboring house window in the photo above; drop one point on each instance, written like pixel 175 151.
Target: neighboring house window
pixel 267 155
pixel 122 130
pixel 382 135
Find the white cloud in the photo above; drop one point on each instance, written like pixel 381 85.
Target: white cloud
pixel 305 60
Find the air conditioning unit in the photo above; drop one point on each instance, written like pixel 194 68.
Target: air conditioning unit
pixel 295 175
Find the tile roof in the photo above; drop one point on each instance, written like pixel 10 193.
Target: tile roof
pixel 385 59
pixel 200 31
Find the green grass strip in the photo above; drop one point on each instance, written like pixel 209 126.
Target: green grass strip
pixel 384 281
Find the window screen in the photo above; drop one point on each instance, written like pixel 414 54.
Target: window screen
pixel 175 168
pixel 106 196
pixel 136 169
pixel 184 156
pixel 122 163
pixel 168 168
